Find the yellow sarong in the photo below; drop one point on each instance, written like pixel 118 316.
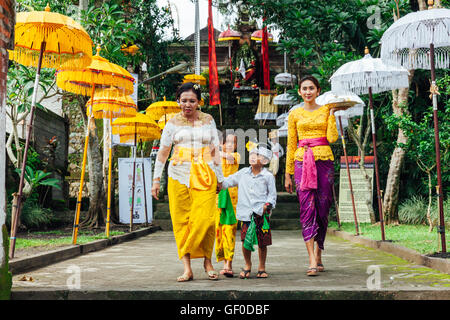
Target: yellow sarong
pixel 193 209
pixel 226 234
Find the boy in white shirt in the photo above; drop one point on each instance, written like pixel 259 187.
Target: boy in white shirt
pixel 257 197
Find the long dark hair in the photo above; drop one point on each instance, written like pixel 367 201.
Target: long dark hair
pixel 189 86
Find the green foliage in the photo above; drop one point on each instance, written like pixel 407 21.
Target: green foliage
pixel 39 178
pixel 33 215
pixel 414 211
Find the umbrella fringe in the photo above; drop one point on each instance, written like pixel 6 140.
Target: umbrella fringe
pixel 30 57
pixel 65 80
pixel 360 82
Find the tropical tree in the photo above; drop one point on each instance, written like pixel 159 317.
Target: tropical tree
pixel 20 83
pixel 420 142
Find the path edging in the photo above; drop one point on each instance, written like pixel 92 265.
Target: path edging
pixel 46 258
pixel 439 264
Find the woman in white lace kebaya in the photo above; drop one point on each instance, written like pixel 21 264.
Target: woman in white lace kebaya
pixel 194 173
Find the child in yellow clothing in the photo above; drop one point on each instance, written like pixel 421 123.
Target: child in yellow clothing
pixel 226 233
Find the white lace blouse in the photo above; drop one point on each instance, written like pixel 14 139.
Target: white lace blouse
pixel 179 133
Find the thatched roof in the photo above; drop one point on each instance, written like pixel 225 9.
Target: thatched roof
pixel 204 35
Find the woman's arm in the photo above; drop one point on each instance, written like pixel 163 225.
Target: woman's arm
pixel 291 147
pixel 332 132
pixel 215 153
pixel 161 158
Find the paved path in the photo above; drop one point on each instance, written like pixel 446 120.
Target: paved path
pixel 146 268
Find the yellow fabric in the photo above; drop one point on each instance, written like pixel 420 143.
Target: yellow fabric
pixel 193 214
pixel 202 176
pixel 226 234
pixel 303 124
pixel 266 104
pixel 100 72
pixel 66 40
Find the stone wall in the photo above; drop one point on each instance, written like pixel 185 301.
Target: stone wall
pixel 7 16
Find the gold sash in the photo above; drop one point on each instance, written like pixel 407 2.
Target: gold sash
pixel 201 176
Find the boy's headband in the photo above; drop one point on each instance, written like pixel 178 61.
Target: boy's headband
pixel 262 149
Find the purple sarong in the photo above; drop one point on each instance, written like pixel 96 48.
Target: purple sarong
pixel 315 204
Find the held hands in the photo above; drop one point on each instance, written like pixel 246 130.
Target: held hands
pixel 219 187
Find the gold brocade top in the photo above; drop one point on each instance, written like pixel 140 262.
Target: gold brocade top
pixel 230 168
pixel 304 124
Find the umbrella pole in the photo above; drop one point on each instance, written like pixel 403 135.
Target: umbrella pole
pixel 83 171
pixel 374 139
pixel 108 208
pixel 143 181
pixel 133 184
pixel 229 58
pixel 440 195
pixel 24 162
pixel 349 177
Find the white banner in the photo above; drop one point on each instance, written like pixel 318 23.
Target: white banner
pixel 125 189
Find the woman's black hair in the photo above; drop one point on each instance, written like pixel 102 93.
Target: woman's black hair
pixel 310 78
pixel 189 86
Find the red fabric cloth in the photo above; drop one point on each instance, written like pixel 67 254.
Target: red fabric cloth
pixel 214 93
pixel 265 58
pixel 309 170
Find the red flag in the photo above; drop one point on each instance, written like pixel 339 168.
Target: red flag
pixel 214 93
pixel 265 58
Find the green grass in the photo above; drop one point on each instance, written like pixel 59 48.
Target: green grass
pixel 83 237
pixel 415 237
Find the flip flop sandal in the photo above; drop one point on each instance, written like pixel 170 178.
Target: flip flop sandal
pixel 212 275
pixel 227 273
pixel 311 272
pixel 185 278
pixel 320 267
pixel 245 274
pixel 260 274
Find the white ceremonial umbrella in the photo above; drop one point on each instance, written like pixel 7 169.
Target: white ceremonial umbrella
pixel 421 40
pixel 284 99
pixel 281 119
pixel 285 79
pixel 370 75
pixel 344 101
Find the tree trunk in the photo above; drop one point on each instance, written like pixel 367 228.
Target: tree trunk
pixel 390 201
pixel 422 5
pixel 97 201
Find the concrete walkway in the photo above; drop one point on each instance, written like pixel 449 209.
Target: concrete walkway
pixel 147 268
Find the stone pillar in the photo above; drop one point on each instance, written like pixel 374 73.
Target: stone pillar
pixel 6 35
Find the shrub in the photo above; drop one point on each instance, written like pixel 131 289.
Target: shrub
pixel 32 215
pixel 414 211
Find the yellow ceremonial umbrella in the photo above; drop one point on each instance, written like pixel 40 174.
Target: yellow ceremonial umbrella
pixel 141 125
pixel 100 74
pixel 195 78
pixel 106 106
pixel 163 120
pixel 160 108
pixel 45 39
